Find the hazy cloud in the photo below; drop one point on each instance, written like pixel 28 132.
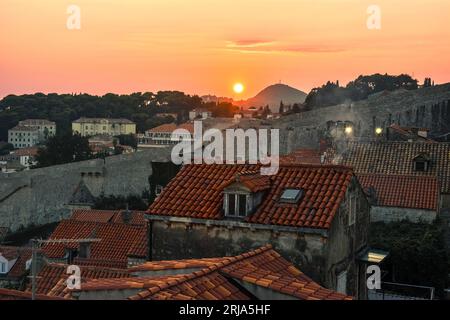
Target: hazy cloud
pixel 271 46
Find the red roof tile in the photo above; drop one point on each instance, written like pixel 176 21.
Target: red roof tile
pixel 308 156
pixel 7 294
pixel 114 216
pixel 398 158
pixel 127 283
pixel 22 254
pixel 176 264
pixel 269 269
pixel 117 242
pixel 209 286
pixel 197 192
pixel 53 273
pixel 170 127
pixel 411 133
pixel 403 191
pixel 93 215
pixel 250 179
pixel 262 267
pixel 31 151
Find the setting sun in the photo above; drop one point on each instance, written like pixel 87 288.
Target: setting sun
pixel 238 88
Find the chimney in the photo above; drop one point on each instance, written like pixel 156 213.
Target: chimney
pixel 372 195
pixel 85 250
pixel 126 215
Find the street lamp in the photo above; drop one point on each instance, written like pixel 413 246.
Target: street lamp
pixel 378 131
pixel 348 130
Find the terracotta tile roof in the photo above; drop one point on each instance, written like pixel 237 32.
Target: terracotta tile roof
pixel 24 128
pixel 170 127
pixel 117 242
pixel 250 179
pixel 209 286
pixel 60 290
pixel 397 158
pixel 140 283
pixel 176 264
pixel 7 294
pixel 103 120
pixel 9 253
pixel 31 151
pixel 92 215
pixel 309 156
pixel 417 192
pixel 53 273
pixel 99 263
pixel 22 254
pixel 37 122
pixel 267 268
pixel 104 216
pixel 263 267
pixel 411 133
pixel 197 192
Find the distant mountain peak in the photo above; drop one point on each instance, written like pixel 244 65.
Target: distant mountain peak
pixel 273 95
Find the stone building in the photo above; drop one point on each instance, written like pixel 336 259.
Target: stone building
pixel 31 132
pixel 23 137
pixel 163 135
pixel 199 114
pixel 401 197
pixel 315 216
pixel 103 126
pixel 401 158
pixel 45 127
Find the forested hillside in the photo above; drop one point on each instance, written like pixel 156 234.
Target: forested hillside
pixel 138 107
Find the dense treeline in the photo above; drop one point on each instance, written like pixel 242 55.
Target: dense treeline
pixel 63 148
pixel 138 107
pixel 332 93
pixel 418 253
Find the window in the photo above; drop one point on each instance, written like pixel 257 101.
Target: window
pixel 236 205
pixel 158 189
pixel 422 162
pixel 421 166
pixel 341 285
pixel 352 210
pixel 231 205
pixel 71 255
pixel 2 267
pixel 242 205
pixel 291 195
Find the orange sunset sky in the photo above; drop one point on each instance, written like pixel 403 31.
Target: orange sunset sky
pixel 205 46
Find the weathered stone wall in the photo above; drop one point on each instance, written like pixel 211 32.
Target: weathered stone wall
pixel 427 107
pixel 178 240
pixel 395 214
pixel 345 241
pixel 40 196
